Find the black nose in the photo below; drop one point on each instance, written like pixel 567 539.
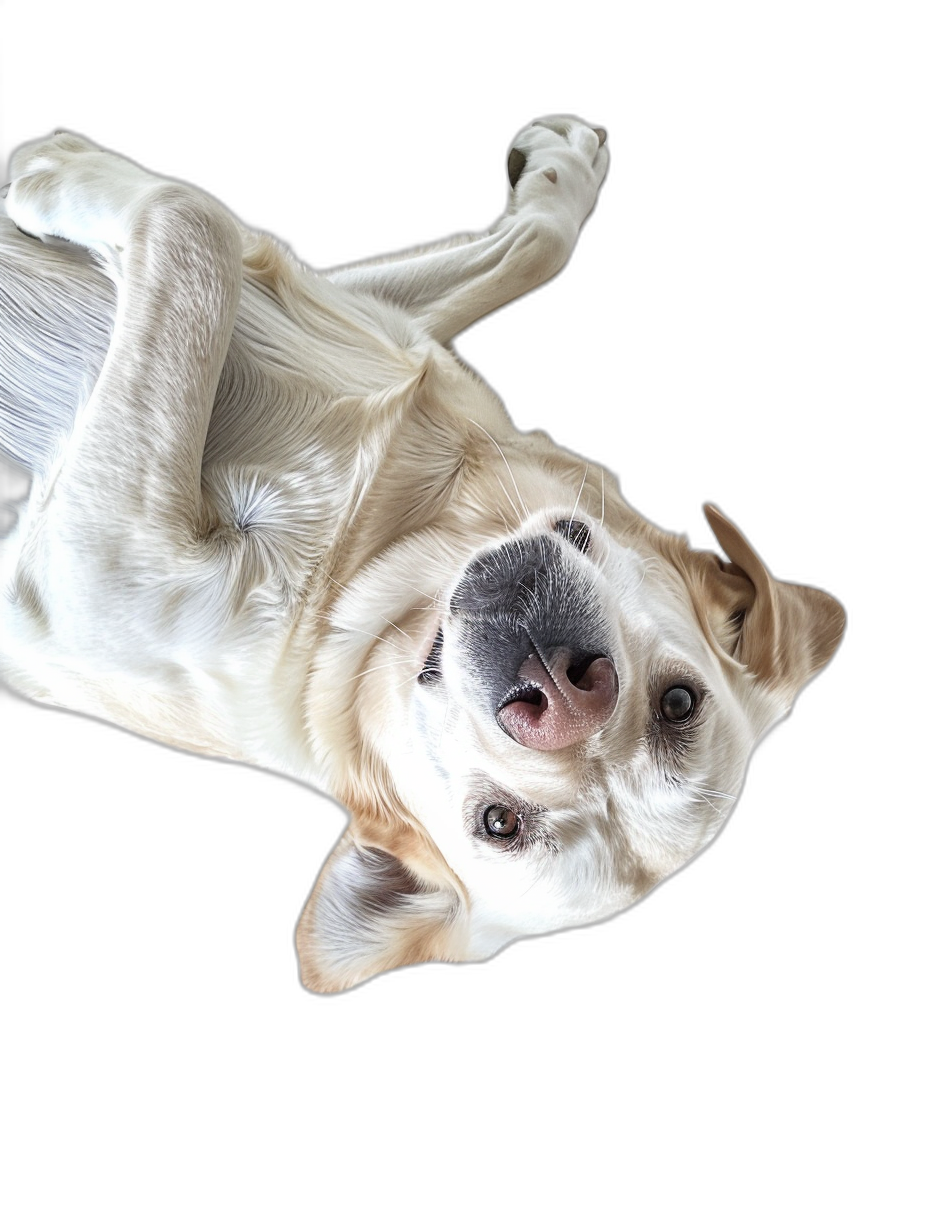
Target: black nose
pixel 533 641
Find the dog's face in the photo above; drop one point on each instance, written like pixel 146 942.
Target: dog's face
pixel 582 704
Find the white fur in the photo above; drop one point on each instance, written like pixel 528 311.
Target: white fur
pixel 252 505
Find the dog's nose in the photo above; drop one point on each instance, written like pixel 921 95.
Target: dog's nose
pixel 560 698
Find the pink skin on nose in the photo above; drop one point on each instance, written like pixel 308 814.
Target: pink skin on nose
pixel 567 711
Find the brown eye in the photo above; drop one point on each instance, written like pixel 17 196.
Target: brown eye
pixel 501 822
pixel 677 704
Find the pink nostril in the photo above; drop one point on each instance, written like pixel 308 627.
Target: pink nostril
pixel 563 702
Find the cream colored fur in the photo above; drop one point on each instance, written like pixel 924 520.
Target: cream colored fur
pixel 256 494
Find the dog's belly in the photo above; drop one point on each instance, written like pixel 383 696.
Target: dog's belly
pixel 309 399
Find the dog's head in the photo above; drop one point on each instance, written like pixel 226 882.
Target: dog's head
pixel 567 725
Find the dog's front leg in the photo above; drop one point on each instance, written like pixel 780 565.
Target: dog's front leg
pixel 124 500
pixel 556 167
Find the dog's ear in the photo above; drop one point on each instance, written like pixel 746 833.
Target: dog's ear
pixel 373 908
pixel 784 633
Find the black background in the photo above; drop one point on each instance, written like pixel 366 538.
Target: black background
pixel 696 345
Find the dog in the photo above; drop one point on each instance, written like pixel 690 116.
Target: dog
pixel 273 518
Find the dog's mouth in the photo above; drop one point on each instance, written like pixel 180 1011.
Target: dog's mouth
pixel 530 641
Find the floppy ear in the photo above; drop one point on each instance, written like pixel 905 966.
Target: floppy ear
pixel 787 632
pixel 372 909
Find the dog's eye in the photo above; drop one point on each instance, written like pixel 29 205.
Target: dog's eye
pixel 501 822
pixel 678 704
pixel 577 533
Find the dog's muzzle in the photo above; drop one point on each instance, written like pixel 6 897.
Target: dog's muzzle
pixel 533 642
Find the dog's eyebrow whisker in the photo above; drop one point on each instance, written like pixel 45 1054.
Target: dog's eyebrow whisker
pixel 573 511
pixel 508 467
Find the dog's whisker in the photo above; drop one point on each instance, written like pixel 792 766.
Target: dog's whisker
pixel 378 667
pixel 573 512
pixel 434 600
pixel 502 513
pixel 347 590
pixel 343 628
pixel 334 432
pixel 503 517
pixel 508 468
pixel 336 582
pixel 433 606
pixel 710 797
pixel 435 603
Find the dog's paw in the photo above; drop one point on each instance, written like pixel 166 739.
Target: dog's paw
pixel 557 165
pixel 66 187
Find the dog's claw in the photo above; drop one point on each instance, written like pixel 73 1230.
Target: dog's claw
pixel 517 161
pixel 562 127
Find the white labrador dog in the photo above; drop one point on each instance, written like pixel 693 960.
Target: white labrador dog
pixel 273 518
